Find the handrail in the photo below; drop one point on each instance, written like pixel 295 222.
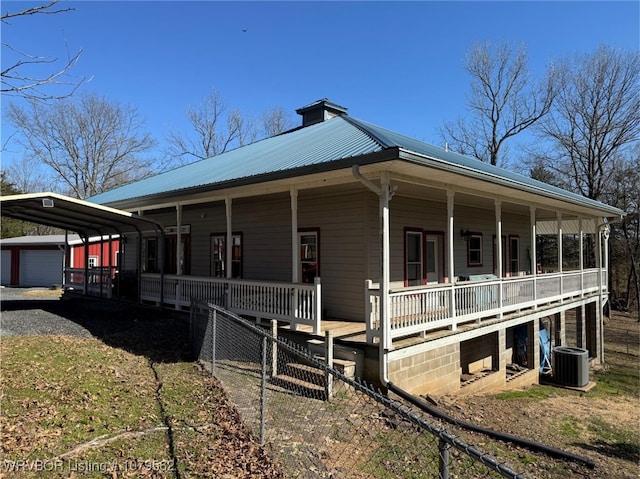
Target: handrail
pixel 295 303
pixel 421 309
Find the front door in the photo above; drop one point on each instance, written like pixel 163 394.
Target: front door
pixel 434 258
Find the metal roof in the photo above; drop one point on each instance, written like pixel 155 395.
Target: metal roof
pixel 319 144
pixel 445 159
pixel 38 240
pixel 327 145
pixel 82 217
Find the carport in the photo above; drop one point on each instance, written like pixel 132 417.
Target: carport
pixel 81 217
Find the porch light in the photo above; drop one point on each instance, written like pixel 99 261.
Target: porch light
pixel 466 234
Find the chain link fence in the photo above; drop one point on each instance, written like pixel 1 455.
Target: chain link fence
pixel 317 421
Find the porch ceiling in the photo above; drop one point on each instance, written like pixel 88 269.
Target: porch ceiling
pixel 481 193
pixel 70 214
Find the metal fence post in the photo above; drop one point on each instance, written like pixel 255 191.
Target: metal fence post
pixel 192 333
pixel 213 342
pixel 328 354
pixel 443 459
pixel 274 348
pixel 263 391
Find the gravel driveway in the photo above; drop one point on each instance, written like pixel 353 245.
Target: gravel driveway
pixel 158 334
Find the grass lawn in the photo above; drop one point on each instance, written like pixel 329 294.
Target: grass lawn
pixel 75 407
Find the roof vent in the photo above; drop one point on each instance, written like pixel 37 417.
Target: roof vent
pixel 319 111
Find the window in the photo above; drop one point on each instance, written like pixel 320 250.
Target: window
pixel 171 254
pixel 474 250
pixel 93 261
pixel 308 241
pixel 218 255
pixel 150 262
pixel 413 254
pixel 151 254
pixel 514 255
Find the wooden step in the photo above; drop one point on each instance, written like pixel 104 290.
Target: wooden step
pixel 300 386
pixel 349 361
pixel 304 372
pixel 346 367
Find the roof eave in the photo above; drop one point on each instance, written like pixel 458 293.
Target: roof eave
pixel 411 156
pixel 344 163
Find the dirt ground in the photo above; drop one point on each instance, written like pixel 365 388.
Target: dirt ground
pixel 602 425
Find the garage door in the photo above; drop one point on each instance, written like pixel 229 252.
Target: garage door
pixel 5 264
pixel 41 268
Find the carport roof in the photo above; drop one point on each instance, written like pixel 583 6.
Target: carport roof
pixel 75 215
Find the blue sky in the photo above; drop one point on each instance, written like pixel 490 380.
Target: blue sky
pixel 395 64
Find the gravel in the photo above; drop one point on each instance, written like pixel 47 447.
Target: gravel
pixel 158 334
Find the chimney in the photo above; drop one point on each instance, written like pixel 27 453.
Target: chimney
pixel 319 111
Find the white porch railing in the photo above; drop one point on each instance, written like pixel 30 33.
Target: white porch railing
pixel 419 310
pixel 99 281
pixel 295 303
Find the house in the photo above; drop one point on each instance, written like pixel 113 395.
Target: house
pixel 435 269
pixel 48 260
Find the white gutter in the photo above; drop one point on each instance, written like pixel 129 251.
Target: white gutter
pixel 385 193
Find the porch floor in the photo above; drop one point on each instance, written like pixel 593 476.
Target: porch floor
pixel 346 330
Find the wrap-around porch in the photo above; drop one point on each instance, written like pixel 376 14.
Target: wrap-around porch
pixel 413 310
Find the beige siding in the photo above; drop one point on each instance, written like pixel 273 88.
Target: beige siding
pixel 349 238
pixel 431 216
pixel 266 234
pixel 341 223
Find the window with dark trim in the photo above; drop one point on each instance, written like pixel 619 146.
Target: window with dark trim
pixel 150 255
pixel 414 257
pixel 474 250
pixel 218 255
pixel 514 255
pixel 309 244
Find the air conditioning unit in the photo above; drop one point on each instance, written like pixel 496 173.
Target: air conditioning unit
pixel 571 366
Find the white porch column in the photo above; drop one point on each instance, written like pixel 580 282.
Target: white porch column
pixel 534 255
pixel 600 265
pixel 581 253
pixel 228 250
pixel 559 218
pixel 179 269
pixel 385 326
pixel 451 258
pixel 295 250
pixel 498 209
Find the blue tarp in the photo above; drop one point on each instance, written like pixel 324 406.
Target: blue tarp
pixel 545 351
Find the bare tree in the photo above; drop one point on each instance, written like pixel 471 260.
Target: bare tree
pixel 25 76
pixel 91 144
pixel 595 117
pixel 275 121
pixel 217 129
pixel 625 235
pixel 503 102
pixel 29 175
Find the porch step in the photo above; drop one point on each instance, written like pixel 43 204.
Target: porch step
pixel 346 367
pixel 348 361
pixel 300 386
pixel 304 373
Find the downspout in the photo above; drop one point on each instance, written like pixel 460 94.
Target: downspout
pixel 385 194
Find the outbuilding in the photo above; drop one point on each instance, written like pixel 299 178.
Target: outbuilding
pixel 30 261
